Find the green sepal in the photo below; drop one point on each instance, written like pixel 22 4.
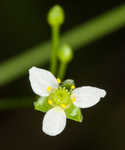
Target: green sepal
pixel 74 113
pixel 42 104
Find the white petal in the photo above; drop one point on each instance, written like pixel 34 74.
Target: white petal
pixel 54 121
pixel 87 96
pixel 40 79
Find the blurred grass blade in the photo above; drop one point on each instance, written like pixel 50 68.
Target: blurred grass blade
pixel 19 65
pixel 77 37
pixel 16 103
pixel 96 28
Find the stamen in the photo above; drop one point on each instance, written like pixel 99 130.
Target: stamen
pixel 60 97
pixel 49 88
pixel 50 102
pixel 73 87
pixel 58 80
pixel 73 98
pixel 63 106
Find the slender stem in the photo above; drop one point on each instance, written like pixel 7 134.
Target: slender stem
pixel 62 70
pixel 55 43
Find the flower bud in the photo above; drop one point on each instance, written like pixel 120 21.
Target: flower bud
pixel 68 84
pixel 56 16
pixel 65 53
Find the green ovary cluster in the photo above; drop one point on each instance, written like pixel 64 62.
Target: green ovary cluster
pixel 60 97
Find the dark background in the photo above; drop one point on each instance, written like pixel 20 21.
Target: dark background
pixel 101 64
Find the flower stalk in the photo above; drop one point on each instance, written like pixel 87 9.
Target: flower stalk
pixel 62 70
pixel 55 20
pixel 55 44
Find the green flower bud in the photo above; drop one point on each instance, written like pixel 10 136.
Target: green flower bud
pixel 56 16
pixel 65 53
pixel 69 84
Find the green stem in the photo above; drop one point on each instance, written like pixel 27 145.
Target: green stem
pixel 55 43
pixel 62 70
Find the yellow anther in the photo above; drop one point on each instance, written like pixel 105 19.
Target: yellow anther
pixel 49 88
pixel 73 87
pixel 50 102
pixel 58 80
pixel 63 106
pixel 73 99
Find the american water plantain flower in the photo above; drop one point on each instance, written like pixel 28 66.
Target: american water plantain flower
pixel 60 100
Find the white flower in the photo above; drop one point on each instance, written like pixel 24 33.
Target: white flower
pixel 54 122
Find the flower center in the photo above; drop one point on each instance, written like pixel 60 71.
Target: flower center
pixel 60 97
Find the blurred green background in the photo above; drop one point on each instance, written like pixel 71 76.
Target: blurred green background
pixel 99 63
